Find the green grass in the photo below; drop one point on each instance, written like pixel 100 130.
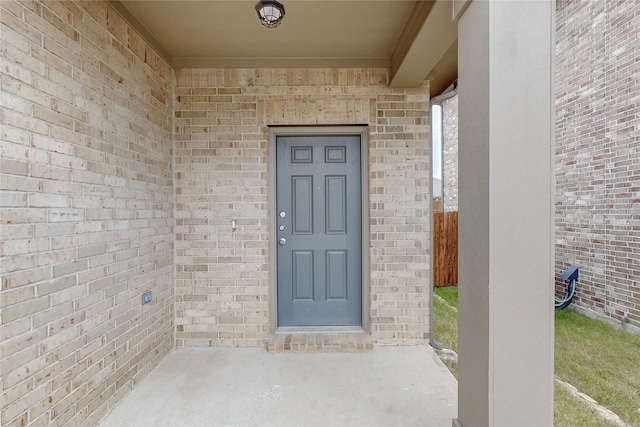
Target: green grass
pixel 601 361
pixel 449 293
pixel 445 323
pixel 598 359
pixel 570 411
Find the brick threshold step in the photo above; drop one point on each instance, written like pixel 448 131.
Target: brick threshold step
pixel 320 341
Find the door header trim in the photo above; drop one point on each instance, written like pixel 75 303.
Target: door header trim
pixel 280 130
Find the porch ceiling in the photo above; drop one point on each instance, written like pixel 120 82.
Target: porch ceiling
pixel 415 39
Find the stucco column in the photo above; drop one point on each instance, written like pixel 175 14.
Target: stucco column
pixel 506 115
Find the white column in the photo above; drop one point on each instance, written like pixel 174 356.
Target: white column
pixel 506 119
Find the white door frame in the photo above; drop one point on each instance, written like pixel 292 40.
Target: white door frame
pixel 362 131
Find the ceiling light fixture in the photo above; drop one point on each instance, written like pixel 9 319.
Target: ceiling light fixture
pixel 270 13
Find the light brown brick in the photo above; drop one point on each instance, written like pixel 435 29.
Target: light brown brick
pixel 597 156
pixel 64 130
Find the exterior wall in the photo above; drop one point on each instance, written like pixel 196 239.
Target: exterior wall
pixel 450 153
pixel 87 211
pixel 221 173
pixel 598 155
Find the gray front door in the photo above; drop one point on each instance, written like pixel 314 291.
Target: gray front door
pixel 319 230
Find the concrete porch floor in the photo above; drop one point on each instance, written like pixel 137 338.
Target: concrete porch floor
pixel 387 386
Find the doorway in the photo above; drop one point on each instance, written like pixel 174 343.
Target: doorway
pixel 318 222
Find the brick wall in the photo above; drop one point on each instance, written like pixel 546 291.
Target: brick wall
pixel 598 153
pixel 87 211
pixel 221 126
pixel 450 153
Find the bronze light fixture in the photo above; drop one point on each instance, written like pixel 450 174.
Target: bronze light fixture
pixel 270 13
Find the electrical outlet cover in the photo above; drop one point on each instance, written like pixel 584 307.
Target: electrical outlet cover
pixel 146 297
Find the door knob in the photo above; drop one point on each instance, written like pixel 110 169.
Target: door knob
pixel 282 241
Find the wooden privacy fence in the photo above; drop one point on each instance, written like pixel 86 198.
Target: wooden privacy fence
pixel 445 248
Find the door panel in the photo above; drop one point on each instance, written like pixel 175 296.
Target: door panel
pixel 302 204
pixel 302 275
pixel 337 275
pixel 336 203
pixel 319 230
